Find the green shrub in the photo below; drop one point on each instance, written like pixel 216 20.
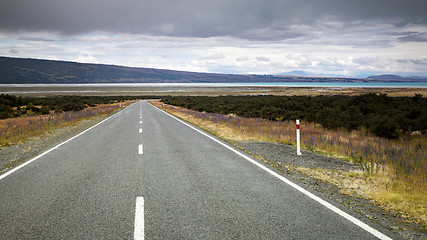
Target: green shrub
pixel 385 116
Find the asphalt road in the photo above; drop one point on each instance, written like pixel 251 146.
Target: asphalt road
pixel 188 186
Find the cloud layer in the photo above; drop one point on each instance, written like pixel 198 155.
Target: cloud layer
pixel 249 19
pixel 239 36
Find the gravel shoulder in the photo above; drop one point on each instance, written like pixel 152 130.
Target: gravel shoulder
pixel 287 154
pixel 283 158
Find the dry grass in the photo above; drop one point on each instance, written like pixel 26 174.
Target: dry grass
pixel 394 171
pixel 381 188
pixel 16 130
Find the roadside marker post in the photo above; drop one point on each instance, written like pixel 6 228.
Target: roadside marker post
pixel 298 140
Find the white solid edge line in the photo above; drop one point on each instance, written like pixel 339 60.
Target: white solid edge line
pixel 138 233
pixel 347 216
pixel 55 147
pixel 140 149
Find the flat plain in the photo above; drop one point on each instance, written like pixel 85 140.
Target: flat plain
pixel 117 90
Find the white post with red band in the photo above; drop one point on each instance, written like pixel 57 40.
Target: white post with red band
pixel 298 140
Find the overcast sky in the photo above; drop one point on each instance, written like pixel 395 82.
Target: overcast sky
pixel 331 37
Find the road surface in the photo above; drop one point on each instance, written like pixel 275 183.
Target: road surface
pixel 144 174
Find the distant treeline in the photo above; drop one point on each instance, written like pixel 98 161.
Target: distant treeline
pixel 384 116
pixel 12 106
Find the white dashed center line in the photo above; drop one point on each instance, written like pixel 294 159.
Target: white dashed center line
pixel 138 233
pixel 140 149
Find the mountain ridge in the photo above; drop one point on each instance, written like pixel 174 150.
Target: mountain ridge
pixel 32 71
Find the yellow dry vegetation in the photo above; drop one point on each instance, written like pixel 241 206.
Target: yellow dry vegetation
pixel 381 188
pixel 20 129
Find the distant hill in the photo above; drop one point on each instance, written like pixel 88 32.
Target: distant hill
pixel 18 70
pixel 308 74
pixel 296 73
pixel 30 71
pixel 394 78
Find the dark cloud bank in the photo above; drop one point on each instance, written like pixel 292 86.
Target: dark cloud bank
pixel 249 19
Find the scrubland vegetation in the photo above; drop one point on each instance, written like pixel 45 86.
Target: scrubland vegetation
pixel 382 115
pixel 372 131
pixel 24 118
pixel 19 129
pixel 12 106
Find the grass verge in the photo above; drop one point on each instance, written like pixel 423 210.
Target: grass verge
pixel 16 130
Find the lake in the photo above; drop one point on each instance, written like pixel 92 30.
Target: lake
pixel 260 84
pixel 285 88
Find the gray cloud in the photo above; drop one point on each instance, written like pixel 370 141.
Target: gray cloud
pixel 35 39
pixel 420 61
pixel 417 37
pixel 401 33
pixel 263 59
pixel 13 51
pixel 249 19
